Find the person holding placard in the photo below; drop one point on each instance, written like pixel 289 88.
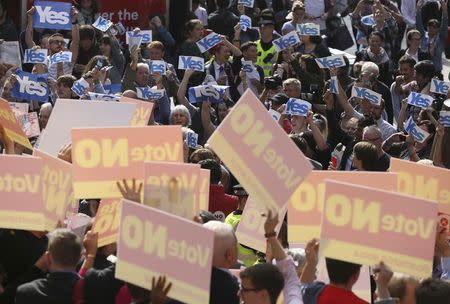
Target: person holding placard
pixel 222 21
pixel 298 17
pixel 110 48
pixel 88 11
pixel 313 45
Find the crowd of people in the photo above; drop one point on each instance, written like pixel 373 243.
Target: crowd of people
pixel 340 131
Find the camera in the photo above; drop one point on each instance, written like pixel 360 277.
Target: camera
pixel 272 82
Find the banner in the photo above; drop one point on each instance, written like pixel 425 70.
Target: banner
pixel 95 114
pixel 157 66
pixel 35 56
pixel 365 226
pixel 297 107
pixel 288 40
pixel 415 131
pixel 364 93
pixel 439 87
pixel 247 3
pixel 153 243
pixel 192 140
pixel 306 204
pixel 11 125
pixel 191 63
pixel 334 85
pixel 308 29
pixel 259 153
pixel 65 56
pixel 421 181
pixel 335 61
pixel 52 15
pixel 420 100
pixel 209 42
pixel 148 93
pixel 107 221
pixel 172 187
pixel 102 24
pixel 103 156
pixel 103 97
pixel 10 53
pixel 145 35
pixel 31 87
pixel 250 231
pixel 444 118
pixel 213 93
pixel 20 192
pixel 142 113
pixel 245 22
pixel 57 188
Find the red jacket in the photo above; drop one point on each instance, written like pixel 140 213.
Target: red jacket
pixel 220 203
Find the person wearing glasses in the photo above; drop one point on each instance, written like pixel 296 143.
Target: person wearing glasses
pixel 382 161
pixel 413 38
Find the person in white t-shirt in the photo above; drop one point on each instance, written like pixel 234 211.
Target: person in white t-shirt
pixel 200 12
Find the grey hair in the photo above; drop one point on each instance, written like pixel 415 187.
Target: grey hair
pixel 180 109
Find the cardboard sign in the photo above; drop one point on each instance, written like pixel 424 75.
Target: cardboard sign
pixel 368 20
pixel 80 87
pixel 10 53
pixel 415 131
pixel 209 41
pixel 286 41
pixel 306 204
pixel 19 108
pixel 191 63
pixel 421 181
pixel 364 93
pixel 35 56
pixel 152 243
pixel 334 85
pixel 32 87
pixel 420 100
pixel 103 97
pixel 335 61
pixel 20 192
pixel 65 56
pixel 204 189
pixel 134 41
pixel 95 114
pixel 308 29
pixel 192 140
pixel 245 22
pixel 103 156
pixel 213 93
pixel 366 225
pixel 102 24
pixel 444 118
pixel 57 188
pixel 12 127
pixel 52 15
pixel 142 113
pixel 298 107
pixel 113 88
pixel 439 86
pixel 275 114
pixel 78 223
pixel 145 35
pixel 107 221
pixel 149 94
pixel 250 231
pixel 258 153
pixel 172 187
pixel 157 66
pixel 247 3
pixel 30 124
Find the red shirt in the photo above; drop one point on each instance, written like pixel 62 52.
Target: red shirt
pixel 220 203
pixel 335 295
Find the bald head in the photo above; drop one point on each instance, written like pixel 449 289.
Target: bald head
pixel 373 135
pixel 130 94
pixel 225 244
pixel 44 114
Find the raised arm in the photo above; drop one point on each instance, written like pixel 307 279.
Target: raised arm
pixel 181 94
pixel 29 30
pixel 75 44
pixel 318 137
pixel 312 258
pixel 207 124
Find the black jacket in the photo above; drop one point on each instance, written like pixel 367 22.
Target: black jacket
pixel 222 22
pixel 56 288
pixel 224 287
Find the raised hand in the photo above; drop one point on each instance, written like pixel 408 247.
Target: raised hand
pixel 132 193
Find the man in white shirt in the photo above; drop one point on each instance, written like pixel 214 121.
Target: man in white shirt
pixel 200 12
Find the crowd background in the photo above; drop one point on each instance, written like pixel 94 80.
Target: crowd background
pixel 339 132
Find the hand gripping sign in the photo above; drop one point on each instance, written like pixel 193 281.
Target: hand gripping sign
pixel 149 94
pixel 286 41
pixel 334 85
pixel 364 93
pixel 146 36
pixel 439 87
pixel 172 187
pixel 57 188
pixel 191 63
pixel 421 181
pixel 335 61
pixel 52 15
pixel 35 56
pixel 32 87
pixel 213 93
pixel 209 41
pixel 365 225
pixel 157 66
pixel 420 100
pixel 306 204
pixel 100 155
pixel 9 122
pixel 65 56
pixel 102 24
pixel 20 192
pixel 153 243
pixel 192 140
pixel 258 152
pixel 415 131
pixel 297 107
pixel 308 29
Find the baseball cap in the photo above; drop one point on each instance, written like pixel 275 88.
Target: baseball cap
pixel 279 98
pixel 266 17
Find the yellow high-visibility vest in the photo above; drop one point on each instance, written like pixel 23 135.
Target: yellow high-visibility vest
pixel 262 55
